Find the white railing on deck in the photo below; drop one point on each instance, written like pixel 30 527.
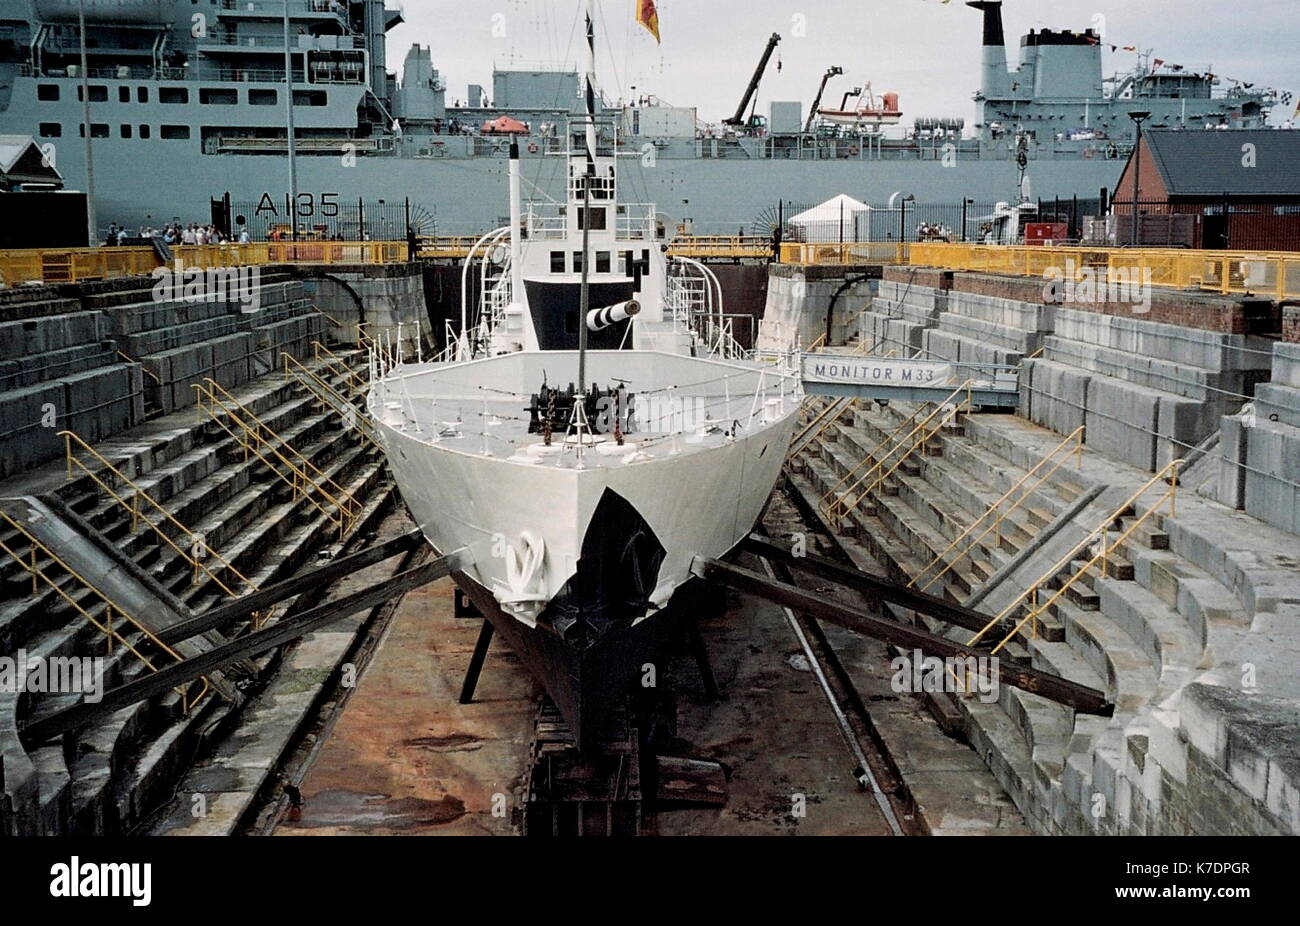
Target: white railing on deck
pixel 635 221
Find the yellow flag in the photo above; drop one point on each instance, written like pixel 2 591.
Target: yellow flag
pixel 648 16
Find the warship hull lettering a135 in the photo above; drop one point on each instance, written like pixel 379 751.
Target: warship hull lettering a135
pixel 593 429
pixel 197 93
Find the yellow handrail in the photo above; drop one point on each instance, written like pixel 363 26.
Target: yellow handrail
pixel 840 507
pixel 1168 473
pixel 147 372
pixel 867 351
pixel 105 627
pixel 822 422
pixel 196 541
pixel 891 439
pixel 337 365
pixel 229 400
pixel 346 507
pixel 331 397
pixel 1075 437
pixel 328 317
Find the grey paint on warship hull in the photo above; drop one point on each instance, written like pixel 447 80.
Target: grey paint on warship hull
pixel 723 194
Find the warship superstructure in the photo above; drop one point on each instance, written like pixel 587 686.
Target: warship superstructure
pixel 196 92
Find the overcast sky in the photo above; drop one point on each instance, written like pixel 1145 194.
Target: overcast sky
pixel 927 51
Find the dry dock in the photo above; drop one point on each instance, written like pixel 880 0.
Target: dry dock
pixel 153 478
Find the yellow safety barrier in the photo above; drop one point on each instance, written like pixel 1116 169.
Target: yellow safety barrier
pixel 836 504
pixel 72 265
pixel 331 399
pixel 257 438
pixel 445 246
pixel 1264 273
pixel 1104 550
pixel 111 634
pixel 857 252
pixel 1075 439
pixel 725 247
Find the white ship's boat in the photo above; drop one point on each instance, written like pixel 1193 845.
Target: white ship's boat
pixel 592 430
pixel 869 114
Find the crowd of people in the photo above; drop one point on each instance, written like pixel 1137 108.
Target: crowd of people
pixel 176 233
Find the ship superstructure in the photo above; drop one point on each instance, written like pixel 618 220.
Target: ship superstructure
pixel 198 92
pixel 590 441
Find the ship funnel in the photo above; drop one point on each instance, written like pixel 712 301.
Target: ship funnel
pixel 600 319
pixel 992 10
pixel 995 80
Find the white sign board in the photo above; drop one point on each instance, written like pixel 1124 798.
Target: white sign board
pixel 871 371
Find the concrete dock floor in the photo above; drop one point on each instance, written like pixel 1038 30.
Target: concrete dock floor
pixel 405 758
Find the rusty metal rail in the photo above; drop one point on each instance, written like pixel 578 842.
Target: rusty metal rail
pixel 1081 698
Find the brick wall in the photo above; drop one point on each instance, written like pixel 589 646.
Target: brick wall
pixel 1206 311
pixel 919 276
pixel 1291 324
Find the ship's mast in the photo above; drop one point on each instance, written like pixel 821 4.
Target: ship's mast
pixel 579 422
pixel 584 304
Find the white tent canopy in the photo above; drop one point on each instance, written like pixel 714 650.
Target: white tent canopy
pixel 839 218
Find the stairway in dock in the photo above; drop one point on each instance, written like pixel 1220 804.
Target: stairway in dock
pixel 223 502
pixel 1145 633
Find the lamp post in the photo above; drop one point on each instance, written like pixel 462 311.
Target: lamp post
pixel 1138 118
pixel 293 142
pixel 902 199
pixel 91 222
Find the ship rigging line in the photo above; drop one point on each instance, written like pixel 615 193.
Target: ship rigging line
pixel 542 164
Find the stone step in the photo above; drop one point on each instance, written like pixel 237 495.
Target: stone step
pixel 1147 534
pixel 1162 634
pixel 1112 654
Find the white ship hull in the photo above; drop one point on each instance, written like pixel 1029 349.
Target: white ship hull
pixel 696 499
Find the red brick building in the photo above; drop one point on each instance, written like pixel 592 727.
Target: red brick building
pixel 1240 189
